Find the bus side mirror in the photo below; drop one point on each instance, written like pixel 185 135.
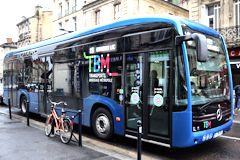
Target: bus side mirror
pixel 201 45
pixel 201 42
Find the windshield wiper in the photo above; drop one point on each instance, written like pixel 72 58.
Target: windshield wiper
pixel 205 106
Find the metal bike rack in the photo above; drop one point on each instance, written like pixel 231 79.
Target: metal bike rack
pixel 79 113
pixel 79 128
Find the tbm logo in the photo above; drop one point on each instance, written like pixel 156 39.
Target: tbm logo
pixel 96 63
pixel 207 124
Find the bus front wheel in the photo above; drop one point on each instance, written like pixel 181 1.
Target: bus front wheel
pixel 23 104
pixel 102 123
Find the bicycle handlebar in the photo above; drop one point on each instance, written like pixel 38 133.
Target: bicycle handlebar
pixel 57 103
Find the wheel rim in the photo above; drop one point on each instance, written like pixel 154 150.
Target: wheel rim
pixel 102 124
pixel 23 106
pixel 66 135
pixel 48 127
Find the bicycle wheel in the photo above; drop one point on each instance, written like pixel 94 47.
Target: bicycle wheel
pixel 48 126
pixel 67 132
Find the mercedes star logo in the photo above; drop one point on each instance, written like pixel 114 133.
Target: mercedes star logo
pixel 219 114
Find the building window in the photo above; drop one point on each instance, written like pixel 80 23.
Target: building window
pixel 237 12
pixel 97 17
pixel 75 23
pixel 213 13
pixel 60 10
pixel 67 8
pixel 74 8
pixel 117 11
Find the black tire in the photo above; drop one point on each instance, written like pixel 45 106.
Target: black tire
pixel 102 123
pixel 1 100
pixel 23 105
pixel 68 131
pixel 49 126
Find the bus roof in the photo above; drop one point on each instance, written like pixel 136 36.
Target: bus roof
pixel 177 21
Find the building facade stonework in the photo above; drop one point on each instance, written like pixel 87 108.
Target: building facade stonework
pixel 36 28
pixel 72 15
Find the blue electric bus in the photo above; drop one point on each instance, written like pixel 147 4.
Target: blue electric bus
pixel 170 72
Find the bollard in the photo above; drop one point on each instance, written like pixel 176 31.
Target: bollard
pixel 27 113
pixel 80 128
pixel 9 106
pixel 139 140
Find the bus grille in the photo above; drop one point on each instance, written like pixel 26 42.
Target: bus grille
pixel 213 116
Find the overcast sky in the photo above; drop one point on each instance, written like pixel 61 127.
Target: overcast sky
pixel 11 12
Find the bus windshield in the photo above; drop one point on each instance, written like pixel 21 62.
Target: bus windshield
pixel 209 80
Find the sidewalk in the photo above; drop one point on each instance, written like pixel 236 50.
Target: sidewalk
pixel 236 116
pixel 18 141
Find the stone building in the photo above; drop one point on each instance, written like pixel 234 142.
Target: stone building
pixel 36 28
pixel 4 49
pixel 223 16
pixel 72 15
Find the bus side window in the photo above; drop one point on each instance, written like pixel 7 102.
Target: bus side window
pixel 180 90
pixel 82 79
pixel 65 84
pixel 109 86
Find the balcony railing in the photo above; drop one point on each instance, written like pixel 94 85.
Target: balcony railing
pixel 231 34
pixel 24 35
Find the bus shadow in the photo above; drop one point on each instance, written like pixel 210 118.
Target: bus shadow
pixel 205 150
pixel 201 151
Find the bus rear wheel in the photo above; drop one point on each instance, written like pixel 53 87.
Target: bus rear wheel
pixel 102 123
pixel 23 104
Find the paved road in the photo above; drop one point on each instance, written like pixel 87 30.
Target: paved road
pixel 20 142
pixel 221 148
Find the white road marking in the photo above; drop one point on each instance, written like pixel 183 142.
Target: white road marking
pixel 233 138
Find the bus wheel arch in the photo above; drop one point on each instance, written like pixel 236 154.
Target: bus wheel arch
pixel 23 103
pixel 102 121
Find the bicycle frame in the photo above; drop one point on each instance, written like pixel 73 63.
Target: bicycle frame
pixel 58 121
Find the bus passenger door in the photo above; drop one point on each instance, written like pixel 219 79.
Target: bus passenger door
pixel 14 84
pixel 10 82
pixel 133 90
pixel 157 111
pixel 146 94
pixel 45 83
pixel 12 87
